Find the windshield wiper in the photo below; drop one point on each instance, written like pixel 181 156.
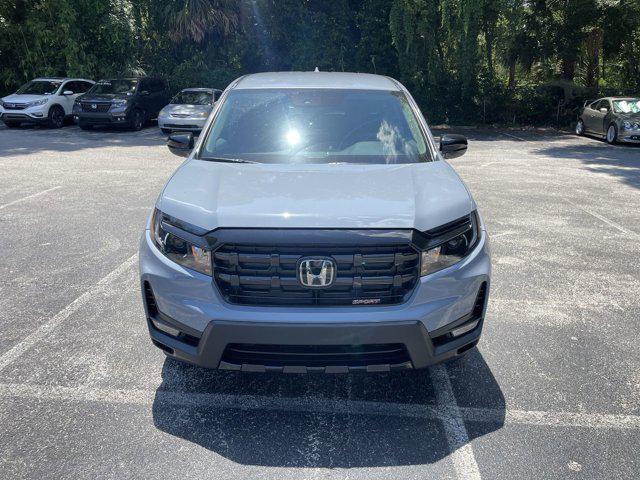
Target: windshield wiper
pixel 226 160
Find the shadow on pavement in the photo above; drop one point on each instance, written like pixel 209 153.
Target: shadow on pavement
pixel 295 436
pixel 29 139
pixel 622 161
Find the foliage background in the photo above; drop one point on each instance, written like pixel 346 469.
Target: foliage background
pixel 465 61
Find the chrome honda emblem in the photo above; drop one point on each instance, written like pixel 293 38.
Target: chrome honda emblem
pixel 94 106
pixel 316 272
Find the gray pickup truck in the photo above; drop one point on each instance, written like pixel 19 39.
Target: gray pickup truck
pixel 315 227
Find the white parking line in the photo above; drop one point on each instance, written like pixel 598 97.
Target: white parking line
pixel 46 328
pixel 462 456
pixel 147 398
pixel 603 219
pixel 513 136
pixel 28 197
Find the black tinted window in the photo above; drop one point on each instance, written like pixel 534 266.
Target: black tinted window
pixel 114 86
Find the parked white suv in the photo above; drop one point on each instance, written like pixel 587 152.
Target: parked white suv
pixel 44 101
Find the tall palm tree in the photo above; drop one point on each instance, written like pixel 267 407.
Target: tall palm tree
pixel 194 19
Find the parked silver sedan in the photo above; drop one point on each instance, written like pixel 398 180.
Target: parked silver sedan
pixel 188 110
pixel 616 119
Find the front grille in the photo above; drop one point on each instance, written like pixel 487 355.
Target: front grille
pixel 318 357
pixel 267 275
pixel 14 106
pixel 100 107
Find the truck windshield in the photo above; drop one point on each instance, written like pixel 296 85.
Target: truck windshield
pixel 193 98
pixel 39 87
pixel 316 126
pixel 630 105
pixel 114 86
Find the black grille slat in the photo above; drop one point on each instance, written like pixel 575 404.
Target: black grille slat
pixel 100 107
pixel 14 106
pixel 316 355
pixel 267 275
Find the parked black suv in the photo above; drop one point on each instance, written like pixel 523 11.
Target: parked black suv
pixel 127 102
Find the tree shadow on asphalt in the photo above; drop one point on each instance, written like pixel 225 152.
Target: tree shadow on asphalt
pixel 29 139
pixel 321 438
pixel 621 161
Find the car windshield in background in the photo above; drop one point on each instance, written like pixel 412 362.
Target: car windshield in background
pixel 39 87
pixel 316 126
pixel 193 98
pixel 629 105
pixel 114 86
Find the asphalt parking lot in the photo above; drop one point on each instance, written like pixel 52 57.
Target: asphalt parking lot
pixel 552 392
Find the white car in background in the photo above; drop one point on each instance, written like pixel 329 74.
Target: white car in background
pixel 188 110
pixel 46 101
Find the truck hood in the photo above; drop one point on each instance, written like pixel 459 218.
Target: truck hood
pixel 213 194
pixel 15 98
pixel 105 97
pixel 184 109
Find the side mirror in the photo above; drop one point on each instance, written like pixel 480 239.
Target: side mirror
pixel 67 92
pixel 453 146
pixel 180 144
pixel 604 110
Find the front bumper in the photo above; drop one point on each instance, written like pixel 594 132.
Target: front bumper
pixel 629 136
pixel 106 118
pixel 190 321
pixel 28 115
pixel 187 123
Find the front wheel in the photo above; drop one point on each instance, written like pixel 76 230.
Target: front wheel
pixel 137 120
pixel 56 117
pixel 580 128
pixel 612 134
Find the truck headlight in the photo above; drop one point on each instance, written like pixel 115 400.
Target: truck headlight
pixel 455 244
pixel 627 125
pixel 177 249
pixel 38 103
pixel 118 104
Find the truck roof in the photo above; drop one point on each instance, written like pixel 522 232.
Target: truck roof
pixel 336 80
pixel 61 79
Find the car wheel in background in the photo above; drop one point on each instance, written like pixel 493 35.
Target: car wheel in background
pixel 56 117
pixel 84 125
pixel 580 127
pixel 612 134
pixel 12 124
pixel 166 131
pixel 137 120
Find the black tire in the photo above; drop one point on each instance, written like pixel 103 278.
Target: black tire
pixel 580 127
pixel 612 134
pixel 137 120
pixel 56 117
pixel 11 124
pixel 166 131
pixel 84 125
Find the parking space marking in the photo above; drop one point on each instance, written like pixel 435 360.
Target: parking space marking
pixel 513 136
pixel 29 197
pixel 603 219
pixel 462 456
pixel 146 397
pixel 46 328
